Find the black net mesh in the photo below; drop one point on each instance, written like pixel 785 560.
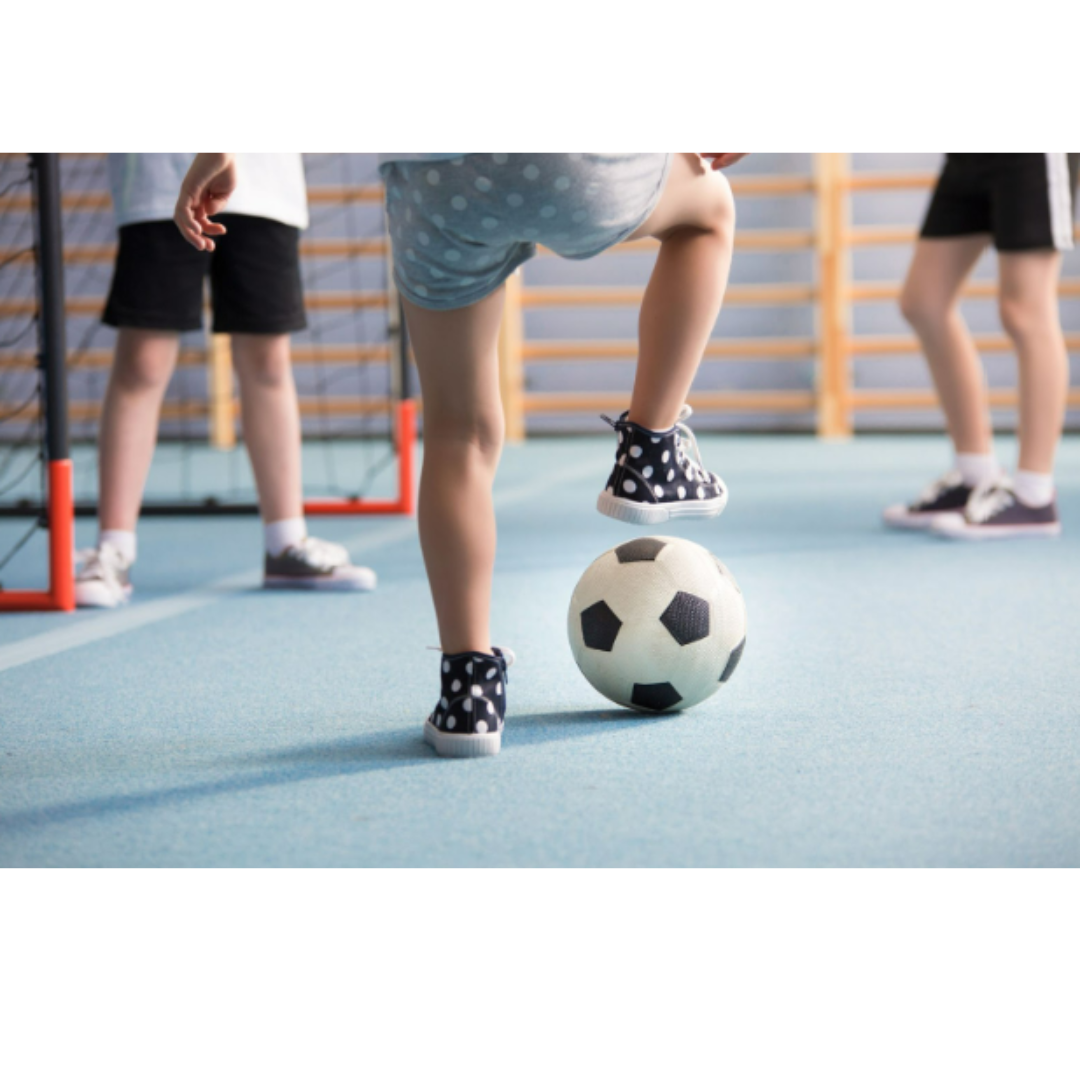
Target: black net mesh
pixel 22 429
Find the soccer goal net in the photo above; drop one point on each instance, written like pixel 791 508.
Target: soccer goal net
pixel 350 364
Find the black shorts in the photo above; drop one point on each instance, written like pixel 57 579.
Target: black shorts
pixel 1024 201
pixel 254 278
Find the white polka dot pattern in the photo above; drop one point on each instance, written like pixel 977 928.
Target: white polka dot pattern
pixel 483 214
pixel 472 684
pixel 645 469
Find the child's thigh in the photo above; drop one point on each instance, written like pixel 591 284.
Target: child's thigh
pixel 457 358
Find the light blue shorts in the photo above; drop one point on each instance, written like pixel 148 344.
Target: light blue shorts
pixel 460 227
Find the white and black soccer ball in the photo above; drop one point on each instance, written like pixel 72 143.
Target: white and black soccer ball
pixel 657 624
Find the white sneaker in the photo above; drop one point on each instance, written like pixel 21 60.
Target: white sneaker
pixel 316 564
pixel 103 579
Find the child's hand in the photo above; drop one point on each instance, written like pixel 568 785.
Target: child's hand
pixel 205 191
pixel 722 161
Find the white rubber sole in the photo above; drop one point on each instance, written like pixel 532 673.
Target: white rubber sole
pixel 954 527
pixel 94 594
pixel 656 514
pixel 898 517
pixel 461 746
pixel 357 582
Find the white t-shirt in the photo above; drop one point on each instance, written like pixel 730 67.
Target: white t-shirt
pixel 145 187
pixel 385 159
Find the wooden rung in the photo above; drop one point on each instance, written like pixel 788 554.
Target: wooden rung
pixel 104 254
pixel 875 236
pixel 927 399
pixel 747 240
pixel 591 296
pixel 86 411
pixel 732 348
pixel 343 249
pixel 765 186
pixel 885 236
pixel 348 193
pixel 871 181
pixel 340 354
pixel 976 290
pixel 96 359
pixel 87 201
pixel 92 359
pixel 75 305
pixel 345 301
pixel 705 401
pixel 889 345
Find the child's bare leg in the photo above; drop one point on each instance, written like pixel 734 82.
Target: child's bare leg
pixel 929 303
pixel 457 360
pixel 1031 317
pixel 695 223
pixel 129 422
pixel 271 422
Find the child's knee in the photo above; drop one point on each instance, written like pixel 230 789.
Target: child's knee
pixel 480 432
pixel 264 371
pixel 136 374
pixel 716 210
pixel 920 307
pixel 1024 316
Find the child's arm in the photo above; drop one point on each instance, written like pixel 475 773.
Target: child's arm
pixel 722 161
pixel 205 191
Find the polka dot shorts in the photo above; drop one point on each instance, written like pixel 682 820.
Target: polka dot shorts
pixel 460 227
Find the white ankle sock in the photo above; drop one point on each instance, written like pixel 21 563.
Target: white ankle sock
pixel 976 468
pixel 279 535
pixel 1034 489
pixel 122 540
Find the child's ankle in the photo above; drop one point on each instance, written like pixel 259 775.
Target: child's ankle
pixel 650 422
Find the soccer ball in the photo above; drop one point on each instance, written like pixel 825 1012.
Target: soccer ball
pixel 657 624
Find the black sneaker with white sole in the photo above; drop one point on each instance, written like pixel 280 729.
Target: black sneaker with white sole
pixel 995 512
pixel 468 720
pixel 948 495
pixel 316 564
pixel 655 480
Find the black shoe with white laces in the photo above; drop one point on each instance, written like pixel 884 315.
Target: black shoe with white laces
pixel 995 512
pixel 654 480
pixel 949 495
pixel 468 720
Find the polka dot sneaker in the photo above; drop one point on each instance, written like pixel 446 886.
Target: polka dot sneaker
pixel 949 495
pixel 654 480
pixel 468 720
pixel 995 512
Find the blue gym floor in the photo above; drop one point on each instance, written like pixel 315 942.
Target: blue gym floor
pixel 903 701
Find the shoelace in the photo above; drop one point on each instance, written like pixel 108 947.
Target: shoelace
pixel 102 563
pixel 988 501
pixel 932 491
pixel 685 434
pixel 323 554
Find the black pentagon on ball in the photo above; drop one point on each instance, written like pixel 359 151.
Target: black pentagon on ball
pixel 733 661
pixel 655 696
pixel 643 549
pixel 600 626
pixel 687 618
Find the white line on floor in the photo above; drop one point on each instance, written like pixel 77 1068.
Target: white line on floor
pixel 113 623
